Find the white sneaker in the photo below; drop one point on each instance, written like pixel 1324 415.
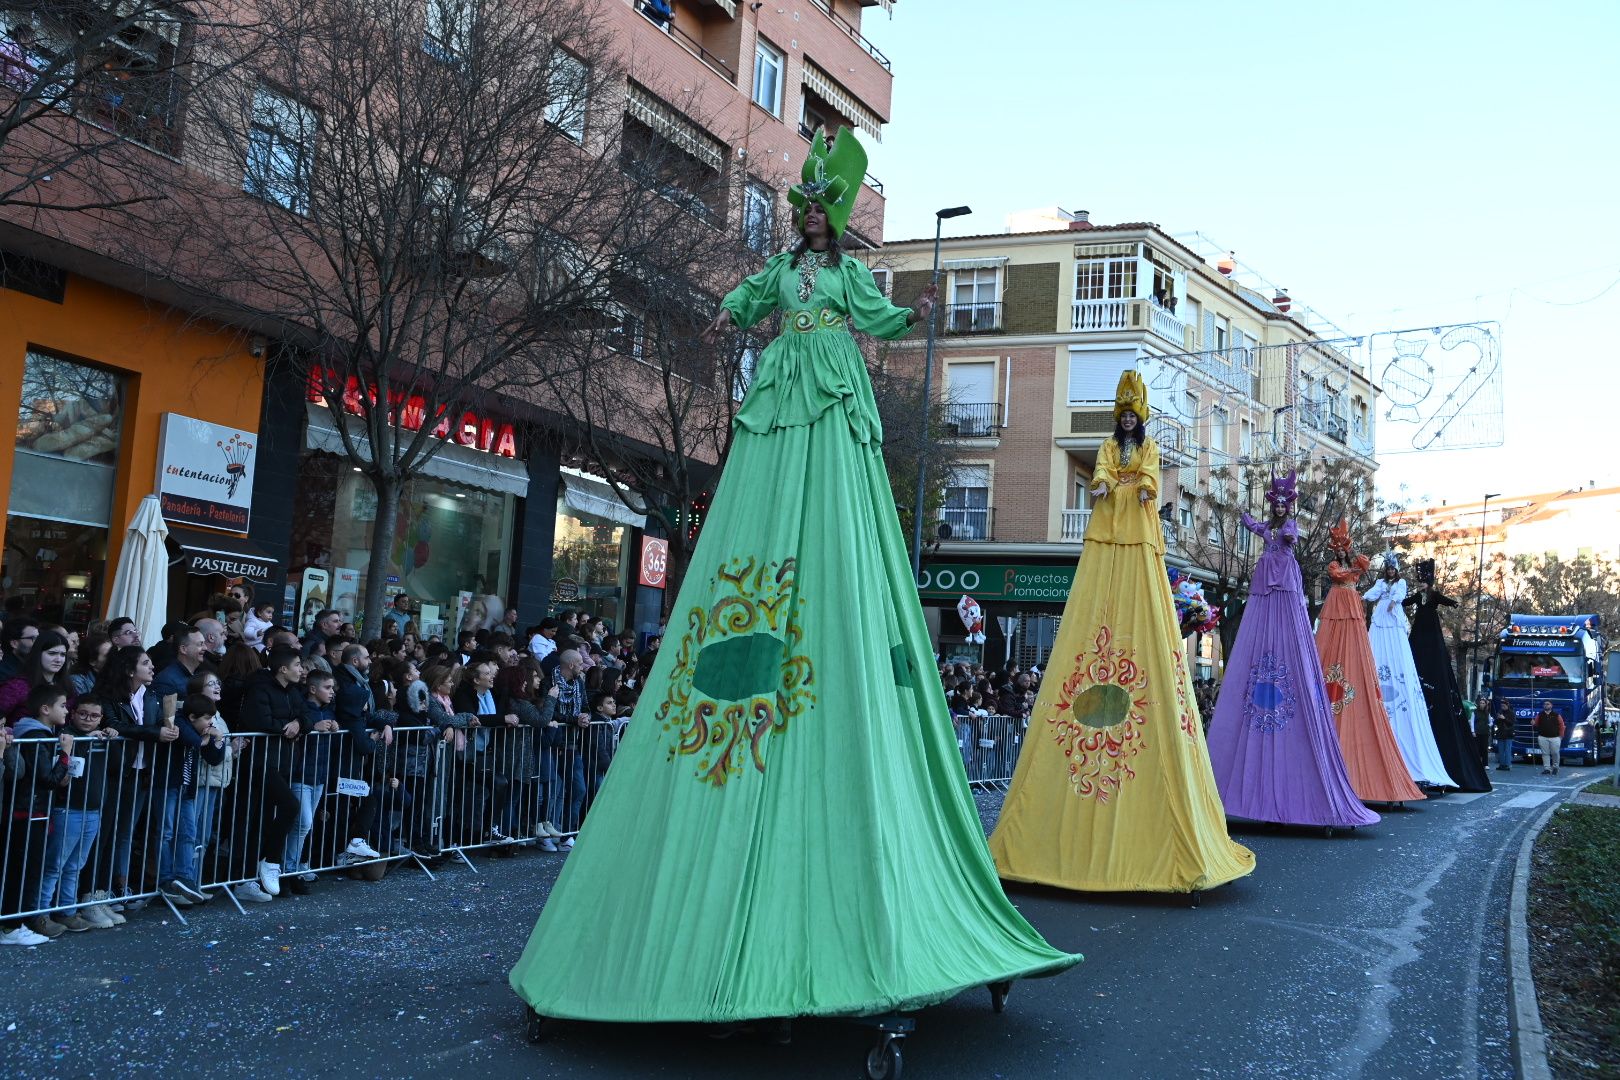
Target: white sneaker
pixel 307 876
pixel 252 892
pixel 546 828
pixel 548 844
pixel 569 843
pixel 359 847
pixel 23 936
pixel 97 916
pixel 102 901
pixel 270 877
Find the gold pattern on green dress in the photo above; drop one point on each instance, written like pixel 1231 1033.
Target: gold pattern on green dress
pixel 803 322
pixel 811 263
pixel 738 676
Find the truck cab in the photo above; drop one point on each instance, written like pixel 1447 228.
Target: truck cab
pixel 1562 659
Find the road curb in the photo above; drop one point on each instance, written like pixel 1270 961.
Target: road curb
pixel 1529 1037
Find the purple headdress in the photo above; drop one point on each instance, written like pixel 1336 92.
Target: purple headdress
pixel 1284 490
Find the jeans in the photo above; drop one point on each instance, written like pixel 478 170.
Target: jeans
pixel 208 799
pixel 1549 750
pixel 576 791
pixel 177 847
pixel 1504 753
pixel 73 835
pixel 309 800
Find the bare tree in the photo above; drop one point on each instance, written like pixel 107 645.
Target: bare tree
pixel 429 202
pixel 85 84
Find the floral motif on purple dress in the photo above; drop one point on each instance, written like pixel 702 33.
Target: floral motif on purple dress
pixel 1269 702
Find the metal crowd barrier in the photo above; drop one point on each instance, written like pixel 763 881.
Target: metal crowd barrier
pixel 108 827
pixel 989 746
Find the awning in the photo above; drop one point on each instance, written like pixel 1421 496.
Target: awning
pixel 842 100
pixel 206 554
pixel 647 108
pixel 593 495
pixel 727 6
pixel 988 263
pixel 457 464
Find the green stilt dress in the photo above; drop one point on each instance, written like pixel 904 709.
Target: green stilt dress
pixel 787 829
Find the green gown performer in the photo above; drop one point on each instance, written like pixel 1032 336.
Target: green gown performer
pixel 787 829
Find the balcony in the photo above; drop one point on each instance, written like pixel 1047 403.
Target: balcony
pixel 973 420
pixel 847 27
pixel 1123 314
pixel 661 16
pixel 979 318
pixel 967 523
pixel 1074 525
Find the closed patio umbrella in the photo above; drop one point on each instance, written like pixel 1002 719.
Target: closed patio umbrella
pixel 141 589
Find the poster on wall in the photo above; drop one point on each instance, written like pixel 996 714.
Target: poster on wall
pixel 314 590
pixel 345 592
pixel 205 473
pixel 430 626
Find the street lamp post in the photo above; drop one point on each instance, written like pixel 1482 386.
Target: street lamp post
pixel 1479 591
pixel 927 397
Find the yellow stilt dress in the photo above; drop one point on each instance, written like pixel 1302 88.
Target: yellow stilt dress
pixel 1113 790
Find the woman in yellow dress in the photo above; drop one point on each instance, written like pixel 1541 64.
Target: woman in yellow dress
pixel 1113 790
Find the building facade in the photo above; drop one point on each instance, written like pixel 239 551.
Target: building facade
pixel 122 389
pixel 1036 325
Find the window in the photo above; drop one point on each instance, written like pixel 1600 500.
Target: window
pixel 281 151
pixel 759 217
pixel 447 29
pixel 744 376
pixel 967 502
pixel 1218 427
pixel 1194 317
pixel 970 395
pixel 134 87
pixel 668 154
pixel 1190 411
pixel 1213 533
pixel 1223 335
pixel 1185 510
pixel 568 91
pixel 1246 437
pixel 626 335
pixel 884 280
pixel 769 65
pixel 1104 279
pixel 973 300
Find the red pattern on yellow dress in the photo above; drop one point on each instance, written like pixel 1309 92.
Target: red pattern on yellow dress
pixel 1099 757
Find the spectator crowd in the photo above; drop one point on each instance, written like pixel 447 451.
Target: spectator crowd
pixel 234 754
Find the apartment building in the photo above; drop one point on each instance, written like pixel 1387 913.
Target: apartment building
pixel 105 363
pixel 1036 325
pixel 1578 522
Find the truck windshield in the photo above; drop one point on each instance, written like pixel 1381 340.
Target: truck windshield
pixel 1540 667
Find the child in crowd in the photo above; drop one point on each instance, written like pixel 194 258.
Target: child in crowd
pixel 260 617
pixel 45 771
pixel 212 780
pixel 92 757
pixel 198 743
pixel 309 776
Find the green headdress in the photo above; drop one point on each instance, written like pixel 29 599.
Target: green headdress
pixel 832 178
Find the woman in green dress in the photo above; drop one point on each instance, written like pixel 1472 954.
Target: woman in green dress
pixel 787 829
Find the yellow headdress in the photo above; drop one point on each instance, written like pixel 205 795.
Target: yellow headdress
pixel 1131 394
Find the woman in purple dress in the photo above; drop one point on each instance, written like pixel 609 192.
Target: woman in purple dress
pixel 1272 742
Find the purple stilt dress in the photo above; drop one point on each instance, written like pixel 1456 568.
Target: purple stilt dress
pixel 1272 742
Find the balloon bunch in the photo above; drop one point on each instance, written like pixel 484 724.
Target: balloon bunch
pixel 1195 614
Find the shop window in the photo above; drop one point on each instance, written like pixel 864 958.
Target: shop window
pixel 69 428
pixel 589 564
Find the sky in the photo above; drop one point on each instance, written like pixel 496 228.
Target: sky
pixel 1393 165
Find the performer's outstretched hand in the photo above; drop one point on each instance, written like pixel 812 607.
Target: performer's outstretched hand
pixel 1099 491
pixel 716 327
pixel 924 307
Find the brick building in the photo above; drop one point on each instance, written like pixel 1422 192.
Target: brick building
pixel 1036 325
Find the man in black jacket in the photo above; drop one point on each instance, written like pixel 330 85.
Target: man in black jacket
pixel 356 714
pixel 273 707
pixel 484 796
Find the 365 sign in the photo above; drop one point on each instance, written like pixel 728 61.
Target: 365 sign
pixel 205 473
pixel 654 562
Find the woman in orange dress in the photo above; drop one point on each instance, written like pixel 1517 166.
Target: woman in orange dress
pixel 1373 759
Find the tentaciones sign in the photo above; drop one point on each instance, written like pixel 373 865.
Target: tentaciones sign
pixel 205 473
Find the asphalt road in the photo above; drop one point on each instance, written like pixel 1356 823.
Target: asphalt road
pixel 1376 954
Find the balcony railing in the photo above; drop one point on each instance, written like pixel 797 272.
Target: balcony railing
pixel 968 522
pixel 652 14
pixel 1164 323
pixel 973 420
pixel 848 28
pixel 972 318
pixel 874 183
pixel 1101 315
pixel 1074 525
